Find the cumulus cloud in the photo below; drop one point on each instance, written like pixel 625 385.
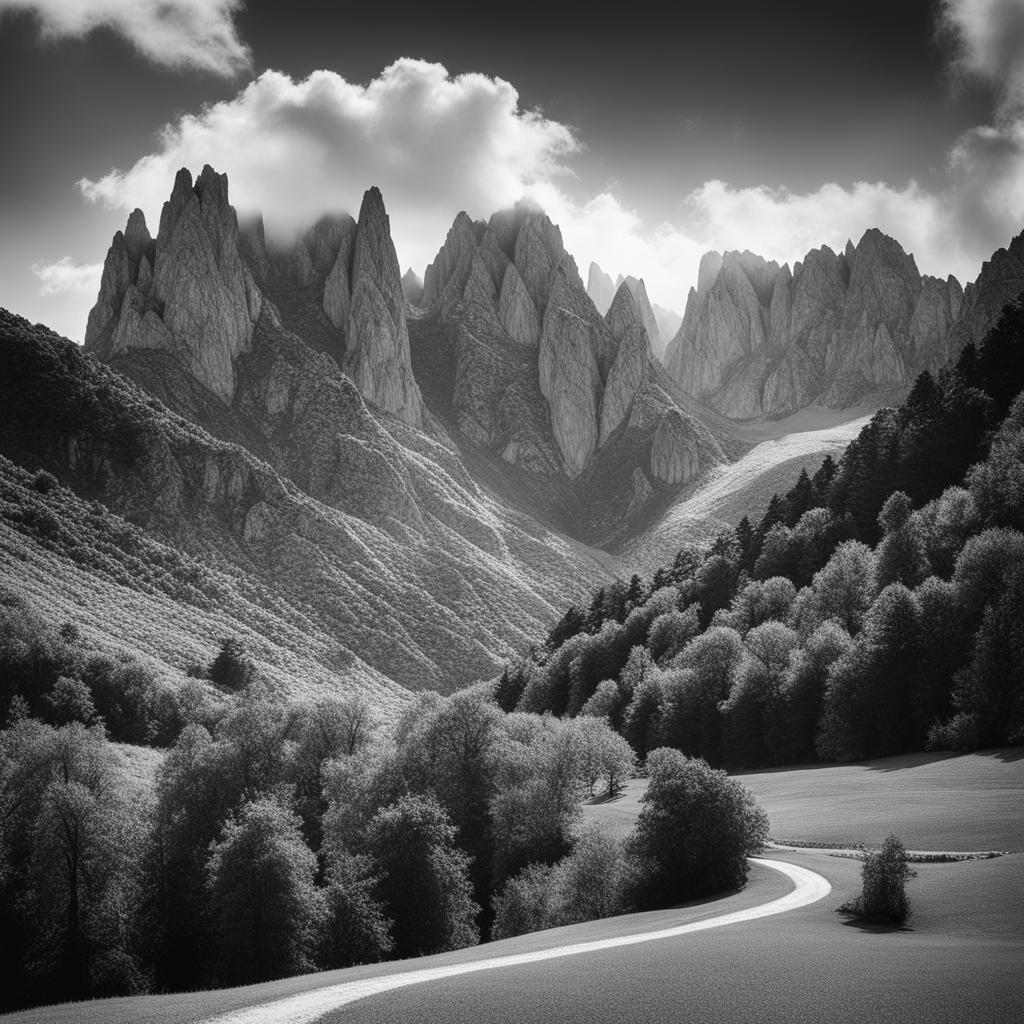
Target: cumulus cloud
pixel 66 276
pixel 435 144
pixel 197 34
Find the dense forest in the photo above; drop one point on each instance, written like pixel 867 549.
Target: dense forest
pixel 281 837
pixel 875 609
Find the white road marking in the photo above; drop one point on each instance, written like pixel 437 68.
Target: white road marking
pixel 303 1008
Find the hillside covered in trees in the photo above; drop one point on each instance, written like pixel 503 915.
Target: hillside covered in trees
pixel 875 609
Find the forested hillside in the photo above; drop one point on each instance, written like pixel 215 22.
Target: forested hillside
pixel 874 609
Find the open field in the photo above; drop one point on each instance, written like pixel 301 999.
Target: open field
pixel 932 801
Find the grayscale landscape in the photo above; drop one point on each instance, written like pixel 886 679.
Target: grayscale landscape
pixel 511 518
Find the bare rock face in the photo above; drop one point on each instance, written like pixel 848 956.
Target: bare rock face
pixel 516 310
pixel 600 288
pixel 450 262
pixel 332 263
pixel 570 380
pixel 541 378
pixel 723 327
pixel 198 299
pixel 759 340
pixel 377 353
pixel 1000 282
pixel 647 318
pixel 129 258
pixel 669 322
pixel 632 366
pixel 412 287
pixel 674 454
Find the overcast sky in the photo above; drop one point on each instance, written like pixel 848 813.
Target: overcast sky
pixel 650 136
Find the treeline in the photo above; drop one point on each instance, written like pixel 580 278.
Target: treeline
pixel 53 675
pixel 282 837
pixel 874 610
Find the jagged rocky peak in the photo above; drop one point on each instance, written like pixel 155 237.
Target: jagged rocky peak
pixel 633 360
pixel 377 346
pixel 760 340
pixel 130 257
pixel 475 257
pixel 462 238
pixel 412 287
pixel 999 283
pixel 638 290
pixel 710 265
pixel 199 301
pixel 600 288
pixel 570 377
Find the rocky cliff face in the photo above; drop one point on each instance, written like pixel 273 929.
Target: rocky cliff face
pixel 1001 281
pixel 377 346
pixel 638 290
pixel 661 324
pixel 760 340
pixel 197 291
pixel 188 292
pixel 541 379
pixel 412 287
pixel 600 288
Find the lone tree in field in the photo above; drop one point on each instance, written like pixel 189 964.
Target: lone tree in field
pixel 695 831
pixel 883 898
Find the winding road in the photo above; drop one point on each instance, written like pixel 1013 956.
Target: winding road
pixel 305 1007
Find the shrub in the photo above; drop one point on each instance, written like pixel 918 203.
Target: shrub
pixel 524 903
pixel 70 701
pixel 232 667
pixel 44 482
pixel 695 831
pixel 883 897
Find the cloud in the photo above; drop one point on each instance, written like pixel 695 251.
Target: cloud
pixel 988 40
pixel 65 275
pixel 198 34
pixel 435 144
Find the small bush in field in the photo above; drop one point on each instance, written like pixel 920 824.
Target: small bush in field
pixel 883 898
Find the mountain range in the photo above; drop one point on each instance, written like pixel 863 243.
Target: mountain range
pixel 760 340
pixel 395 482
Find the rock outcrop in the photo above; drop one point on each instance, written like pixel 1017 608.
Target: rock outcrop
pixel 761 340
pixel 189 292
pixel 541 378
pixel 633 361
pixel 412 287
pixel 570 379
pixel 198 289
pixel 1001 281
pixel 600 288
pixel 661 324
pixel 646 312
pixel 377 345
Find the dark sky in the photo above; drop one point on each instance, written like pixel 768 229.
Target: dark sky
pixel 662 96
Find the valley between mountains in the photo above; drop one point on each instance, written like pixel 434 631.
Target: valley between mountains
pixel 361 622
pixel 384 485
